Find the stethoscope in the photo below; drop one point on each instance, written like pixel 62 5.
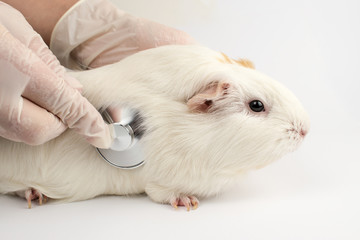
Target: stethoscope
pixel 126 151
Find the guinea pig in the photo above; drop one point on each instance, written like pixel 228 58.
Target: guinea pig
pixel 208 119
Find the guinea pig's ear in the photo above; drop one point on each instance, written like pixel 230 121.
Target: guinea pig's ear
pixel 204 100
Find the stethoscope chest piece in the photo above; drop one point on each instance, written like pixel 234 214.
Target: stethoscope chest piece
pixel 126 151
pixel 128 159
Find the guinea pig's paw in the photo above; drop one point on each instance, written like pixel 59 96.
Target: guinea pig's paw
pixel 33 194
pixel 168 195
pixel 186 201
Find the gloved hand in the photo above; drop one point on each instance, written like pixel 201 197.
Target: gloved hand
pixel 95 33
pixel 38 101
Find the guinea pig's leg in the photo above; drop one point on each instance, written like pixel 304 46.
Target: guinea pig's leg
pixel 32 194
pixel 186 201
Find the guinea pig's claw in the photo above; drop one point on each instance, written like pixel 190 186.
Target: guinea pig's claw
pixel 195 203
pixel 32 194
pixel 175 203
pixel 186 201
pixel 29 203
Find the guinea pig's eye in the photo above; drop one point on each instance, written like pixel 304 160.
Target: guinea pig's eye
pixel 257 106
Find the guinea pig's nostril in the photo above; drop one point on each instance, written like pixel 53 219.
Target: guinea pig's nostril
pixel 303 132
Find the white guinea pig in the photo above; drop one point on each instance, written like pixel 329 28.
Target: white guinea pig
pixel 207 118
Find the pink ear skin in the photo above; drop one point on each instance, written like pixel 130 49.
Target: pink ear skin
pixel 203 101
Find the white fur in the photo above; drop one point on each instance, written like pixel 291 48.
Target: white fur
pixel 187 153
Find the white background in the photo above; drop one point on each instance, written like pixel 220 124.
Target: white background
pixel 312 47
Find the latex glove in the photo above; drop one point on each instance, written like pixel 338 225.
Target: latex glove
pixel 38 101
pixel 95 33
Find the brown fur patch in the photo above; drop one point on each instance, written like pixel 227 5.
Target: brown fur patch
pixel 246 63
pixel 243 62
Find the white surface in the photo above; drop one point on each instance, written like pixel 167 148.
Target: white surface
pixel 312 47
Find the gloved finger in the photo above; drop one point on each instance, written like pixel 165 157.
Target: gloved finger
pixel 20 119
pixel 38 46
pixel 47 90
pixel 33 125
pixel 52 93
pixel 17 25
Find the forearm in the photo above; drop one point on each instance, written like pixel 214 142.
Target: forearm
pixel 42 14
